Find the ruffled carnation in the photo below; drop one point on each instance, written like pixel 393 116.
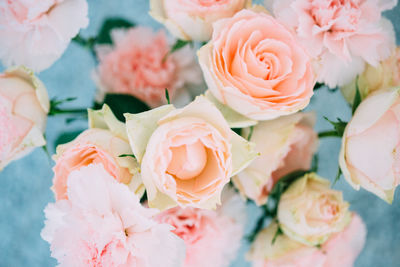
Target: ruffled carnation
pixel 138 64
pixel 341 35
pixel 212 238
pixel 103 224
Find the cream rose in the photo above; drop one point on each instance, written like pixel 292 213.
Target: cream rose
pixel 187 155
pixel 341 249
pixel 370 154
pixel 310 212
pixel 103 143
pixel 262 72
pixel 383 76
pixel 193 19
pixel 24 105
pixel 285 145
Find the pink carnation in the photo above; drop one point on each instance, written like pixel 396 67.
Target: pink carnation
pixel 35 33
pixel 212 237
pixel 102 224
pixel 340 35
pixel 138 64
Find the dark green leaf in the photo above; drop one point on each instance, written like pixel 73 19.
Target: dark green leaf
pixel 122 103
pixel 337 178
pixel 357 98
pixel 127 155
pixel 250 133
pixel 237 130
pixel 277 233
pixel 339 126
pixel 178 45
pixel 66 137
pixel 318 86
pixel 167 96
pixel 104 35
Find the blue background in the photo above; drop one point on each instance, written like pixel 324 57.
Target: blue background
pixel 25 184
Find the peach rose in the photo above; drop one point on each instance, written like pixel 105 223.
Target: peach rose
pixel 193 19
pixel 310 212
pixel 187 155
pixel 137 64
pixel 254 65
pixel 24 105
pixel 370 154
pixel 212 238
pixel 103 143
pixel 285 145
pixel 36 33
pixel 341 249
pixel 385 75
pixel 101 223
pixel 335 33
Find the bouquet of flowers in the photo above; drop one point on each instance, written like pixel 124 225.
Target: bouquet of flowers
pixel 194 123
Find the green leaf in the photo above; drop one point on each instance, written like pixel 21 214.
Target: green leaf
pixel 127 155
pixel 123 103
pixel 250 133
pixel 237 130
pixel 167 96
pixel 277 233
pixel 357 98
pixel 337 178
pixel 66 137
pixel 178 45
pixel 104 35
pixel 339 126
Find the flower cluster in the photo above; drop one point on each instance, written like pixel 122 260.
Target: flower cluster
pixel 152 183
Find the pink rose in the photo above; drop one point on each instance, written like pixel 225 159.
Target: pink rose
pixel 254 65
pixel 36 33
pixel 186 155
pixel 193 19
pixel 336 32
pixel 138 64
pixel 212 238
pixel 101 223
pixel 24 105
pixel 370 154
pixel 309 211
pixel 284 145
pixel 103 143
pixel 341 249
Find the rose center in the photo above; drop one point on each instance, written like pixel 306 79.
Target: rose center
pixel 187 161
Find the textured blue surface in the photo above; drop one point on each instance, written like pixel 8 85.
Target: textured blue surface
pixel 24 185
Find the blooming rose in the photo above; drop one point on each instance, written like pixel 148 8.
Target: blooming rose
pixel 385 75
pixel 35 33
pixel 370 154
pixel 341 249
pixel 101 223
pixel 310 212
pixel 187 155
pixel 104 143
pixel 335 34
pixel 193 19
pixel 212 238
pixel 24 105
pixel 285 145
pixel 262 72
pixel 138 64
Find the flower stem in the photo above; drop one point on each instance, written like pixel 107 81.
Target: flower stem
pixel 57 111
pixel 332 133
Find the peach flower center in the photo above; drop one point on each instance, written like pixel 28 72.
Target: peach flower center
pixel 187 161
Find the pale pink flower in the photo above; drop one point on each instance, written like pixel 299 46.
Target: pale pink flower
pixel 137 64
pixel 212 238
pixel 103 224
pixel 35 33
pixel 341 249
pixel 341 35
pixel 24 105
pixel 370 154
